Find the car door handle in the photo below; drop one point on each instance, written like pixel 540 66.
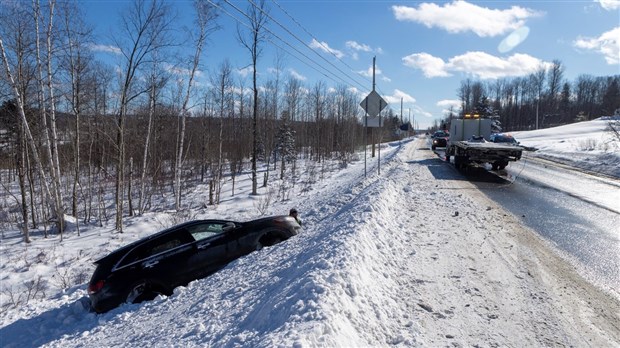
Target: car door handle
pixel 150 264
pixel 203 245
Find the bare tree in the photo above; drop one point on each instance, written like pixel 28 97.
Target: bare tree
pixel 537 79
pixel 77 62
pixel 205 23
pixel 145 28
pixel 46 83
pixel 258 19
pixel 28 135
pixel 223 93
pixel 156 83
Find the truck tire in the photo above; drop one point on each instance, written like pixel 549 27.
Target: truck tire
pixel 460 162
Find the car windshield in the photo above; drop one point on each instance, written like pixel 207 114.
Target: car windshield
pixel 504 139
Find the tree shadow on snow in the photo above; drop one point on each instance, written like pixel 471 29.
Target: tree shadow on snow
pixel 67 320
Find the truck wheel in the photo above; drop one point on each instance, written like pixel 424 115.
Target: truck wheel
pixel 459 162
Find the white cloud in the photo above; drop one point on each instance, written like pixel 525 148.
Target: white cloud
pixel 431 66
pixel 323 46
pixel 478 64
pixel 378 73
pixel 105 48
pixel 357 92
pixel 395 98
pixel 418 111
pixel 180 71
pixel 358 47
pixel 608 44
pixel 461 16
pixel 245 71
pixel 447 103
pixel 609 4
pixel 368 72
pixel 486 66
pixel 297 75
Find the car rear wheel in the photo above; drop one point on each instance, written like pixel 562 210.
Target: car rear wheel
pixel 142 291
pixel 267 241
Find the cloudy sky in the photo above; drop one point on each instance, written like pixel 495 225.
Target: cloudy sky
pixel 423 50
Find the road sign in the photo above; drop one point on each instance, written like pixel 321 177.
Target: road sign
pixel 373 104
pixel 374 121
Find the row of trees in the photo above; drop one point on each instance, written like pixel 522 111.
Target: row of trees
pixel 542 99
pixel 77 134
pixel 73 130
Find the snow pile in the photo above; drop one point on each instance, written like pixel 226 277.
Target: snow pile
pixel 591 145
pixel 415 256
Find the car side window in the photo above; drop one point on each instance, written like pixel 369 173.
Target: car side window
pixel 206 230
pixel 156 246
pixel 163 246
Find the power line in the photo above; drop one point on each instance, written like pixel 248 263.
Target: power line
pixel 306 45
pixel 278 46
pixel 291 46
pixel 312 36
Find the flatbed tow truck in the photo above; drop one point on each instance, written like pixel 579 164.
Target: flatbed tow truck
pixel 469 144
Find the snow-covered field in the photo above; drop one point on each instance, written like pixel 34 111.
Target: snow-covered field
pixel 410 257
pixel 587 145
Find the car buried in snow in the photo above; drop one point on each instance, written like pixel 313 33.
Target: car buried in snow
pixel 160 262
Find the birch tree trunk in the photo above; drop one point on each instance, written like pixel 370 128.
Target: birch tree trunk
pixel 27 132
pixel 258 19
pixel 147 143
pixel 205 17
pixel 146 26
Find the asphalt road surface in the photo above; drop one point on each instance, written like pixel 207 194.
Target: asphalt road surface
pixel 577 213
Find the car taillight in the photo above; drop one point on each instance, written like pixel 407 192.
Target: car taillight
pixel 93 288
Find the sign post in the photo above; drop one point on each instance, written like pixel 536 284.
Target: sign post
pixel 373 104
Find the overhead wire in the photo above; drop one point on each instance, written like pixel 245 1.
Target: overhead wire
pixel 292 47
pixel 325 48
pixel 278 46
pixel 326 72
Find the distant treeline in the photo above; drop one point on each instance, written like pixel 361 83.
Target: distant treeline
pixel 544 96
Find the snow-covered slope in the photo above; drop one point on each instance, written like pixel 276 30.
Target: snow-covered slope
pixel 415 256
pixel 590 145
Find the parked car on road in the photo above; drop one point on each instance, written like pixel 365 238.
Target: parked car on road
pixel 439 139
pixel 503 138
pixel 160 262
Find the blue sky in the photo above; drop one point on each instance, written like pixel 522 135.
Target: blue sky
pixel 423 50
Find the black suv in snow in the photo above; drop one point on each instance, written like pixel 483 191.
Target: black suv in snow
pixel 160 262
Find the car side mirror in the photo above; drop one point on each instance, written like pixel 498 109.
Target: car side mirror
pixel 229 226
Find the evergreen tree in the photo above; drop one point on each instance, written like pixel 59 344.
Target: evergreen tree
pixel 285 141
